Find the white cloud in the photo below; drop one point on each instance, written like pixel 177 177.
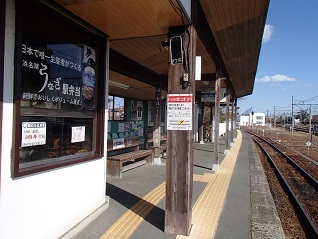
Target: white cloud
pixel 308 85
pixel 274 79
pixel 268 32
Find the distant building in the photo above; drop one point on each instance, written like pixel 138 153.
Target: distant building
pixel 314 119
pixel 252 117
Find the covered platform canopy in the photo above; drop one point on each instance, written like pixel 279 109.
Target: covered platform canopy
pixel 229 36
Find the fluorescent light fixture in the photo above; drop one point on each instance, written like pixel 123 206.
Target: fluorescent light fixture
pixel 119 85
pixel 198 68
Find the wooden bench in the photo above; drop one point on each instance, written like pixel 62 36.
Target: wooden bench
pixel 117 164
pixel 149 143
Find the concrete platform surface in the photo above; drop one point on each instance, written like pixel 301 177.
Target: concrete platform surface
pixel 233 202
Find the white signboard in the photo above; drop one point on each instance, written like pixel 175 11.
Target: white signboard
pixel 33 133
pixel 78 134
pixel 308 143
pixel 118 143
pixel 179 112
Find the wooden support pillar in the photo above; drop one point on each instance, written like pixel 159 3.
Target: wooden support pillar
pixel 217 124
pixel 233 121
pixel 179 163
pixel 211 123
pixel 201 133
pixel 235 113
pixel 156 134
pixel 227 120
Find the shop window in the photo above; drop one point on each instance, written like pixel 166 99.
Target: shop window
pixel 116 106
pixel 59 89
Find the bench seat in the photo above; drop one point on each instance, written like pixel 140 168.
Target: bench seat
pixel 117 164
pixel 162 149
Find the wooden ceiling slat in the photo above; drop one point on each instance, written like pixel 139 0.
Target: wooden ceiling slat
pixel 236 48
pixel 233 15
pixel 165 8
pixel 235 43
pixel 104 12
pixel 135 21
pixel 153 15
pixel 136 90
pixel 117 19
pixel 146 51
pixel 127 20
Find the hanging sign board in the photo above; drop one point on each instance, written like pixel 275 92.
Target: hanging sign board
pixel 179 112
pixel 207 95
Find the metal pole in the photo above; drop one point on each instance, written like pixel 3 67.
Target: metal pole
pixel 292 129
pixel 310 134
pixel 274 118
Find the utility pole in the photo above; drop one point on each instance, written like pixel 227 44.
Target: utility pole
pixel 310 116
pixel 310 134
pixel 292 129
pixel 274 118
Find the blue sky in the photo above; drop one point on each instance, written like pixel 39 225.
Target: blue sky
pixel 288 63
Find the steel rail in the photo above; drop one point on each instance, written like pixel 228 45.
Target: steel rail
pixel 313 230
pixel 303 172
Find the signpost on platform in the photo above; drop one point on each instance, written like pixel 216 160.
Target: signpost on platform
pixel 179 163
pixel 308 145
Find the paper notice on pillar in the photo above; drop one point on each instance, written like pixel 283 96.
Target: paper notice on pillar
pixel 179 112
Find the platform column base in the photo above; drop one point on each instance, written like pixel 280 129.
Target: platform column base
pixel 178 223
pixel 157 161
pixel 216 167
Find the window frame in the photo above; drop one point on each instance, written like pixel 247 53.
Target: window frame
pixel 2 33
pixel 113 107
pixel 99 115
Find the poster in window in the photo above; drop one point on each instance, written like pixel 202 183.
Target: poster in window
pixel 58 76
pixel 134 110
pixel 89 79
pixel 137 127
pixel 78 134
pixel 33 133
pixel 139 110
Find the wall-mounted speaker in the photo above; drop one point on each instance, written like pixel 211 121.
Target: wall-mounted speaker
pixel 176 52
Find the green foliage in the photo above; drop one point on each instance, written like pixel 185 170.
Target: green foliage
pixel 207 115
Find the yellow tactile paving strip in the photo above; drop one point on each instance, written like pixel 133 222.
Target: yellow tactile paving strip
pixel 206 210
pixel 130 221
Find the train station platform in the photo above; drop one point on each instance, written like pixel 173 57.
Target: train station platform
pixel 233 202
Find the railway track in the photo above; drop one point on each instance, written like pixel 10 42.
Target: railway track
pixel 294 190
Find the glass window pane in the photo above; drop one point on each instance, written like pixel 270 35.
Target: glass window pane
pixel 119 108
pixel 111 107
pixel 57 61
pixel 116 106
pixel 44 138
pixel 58 70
